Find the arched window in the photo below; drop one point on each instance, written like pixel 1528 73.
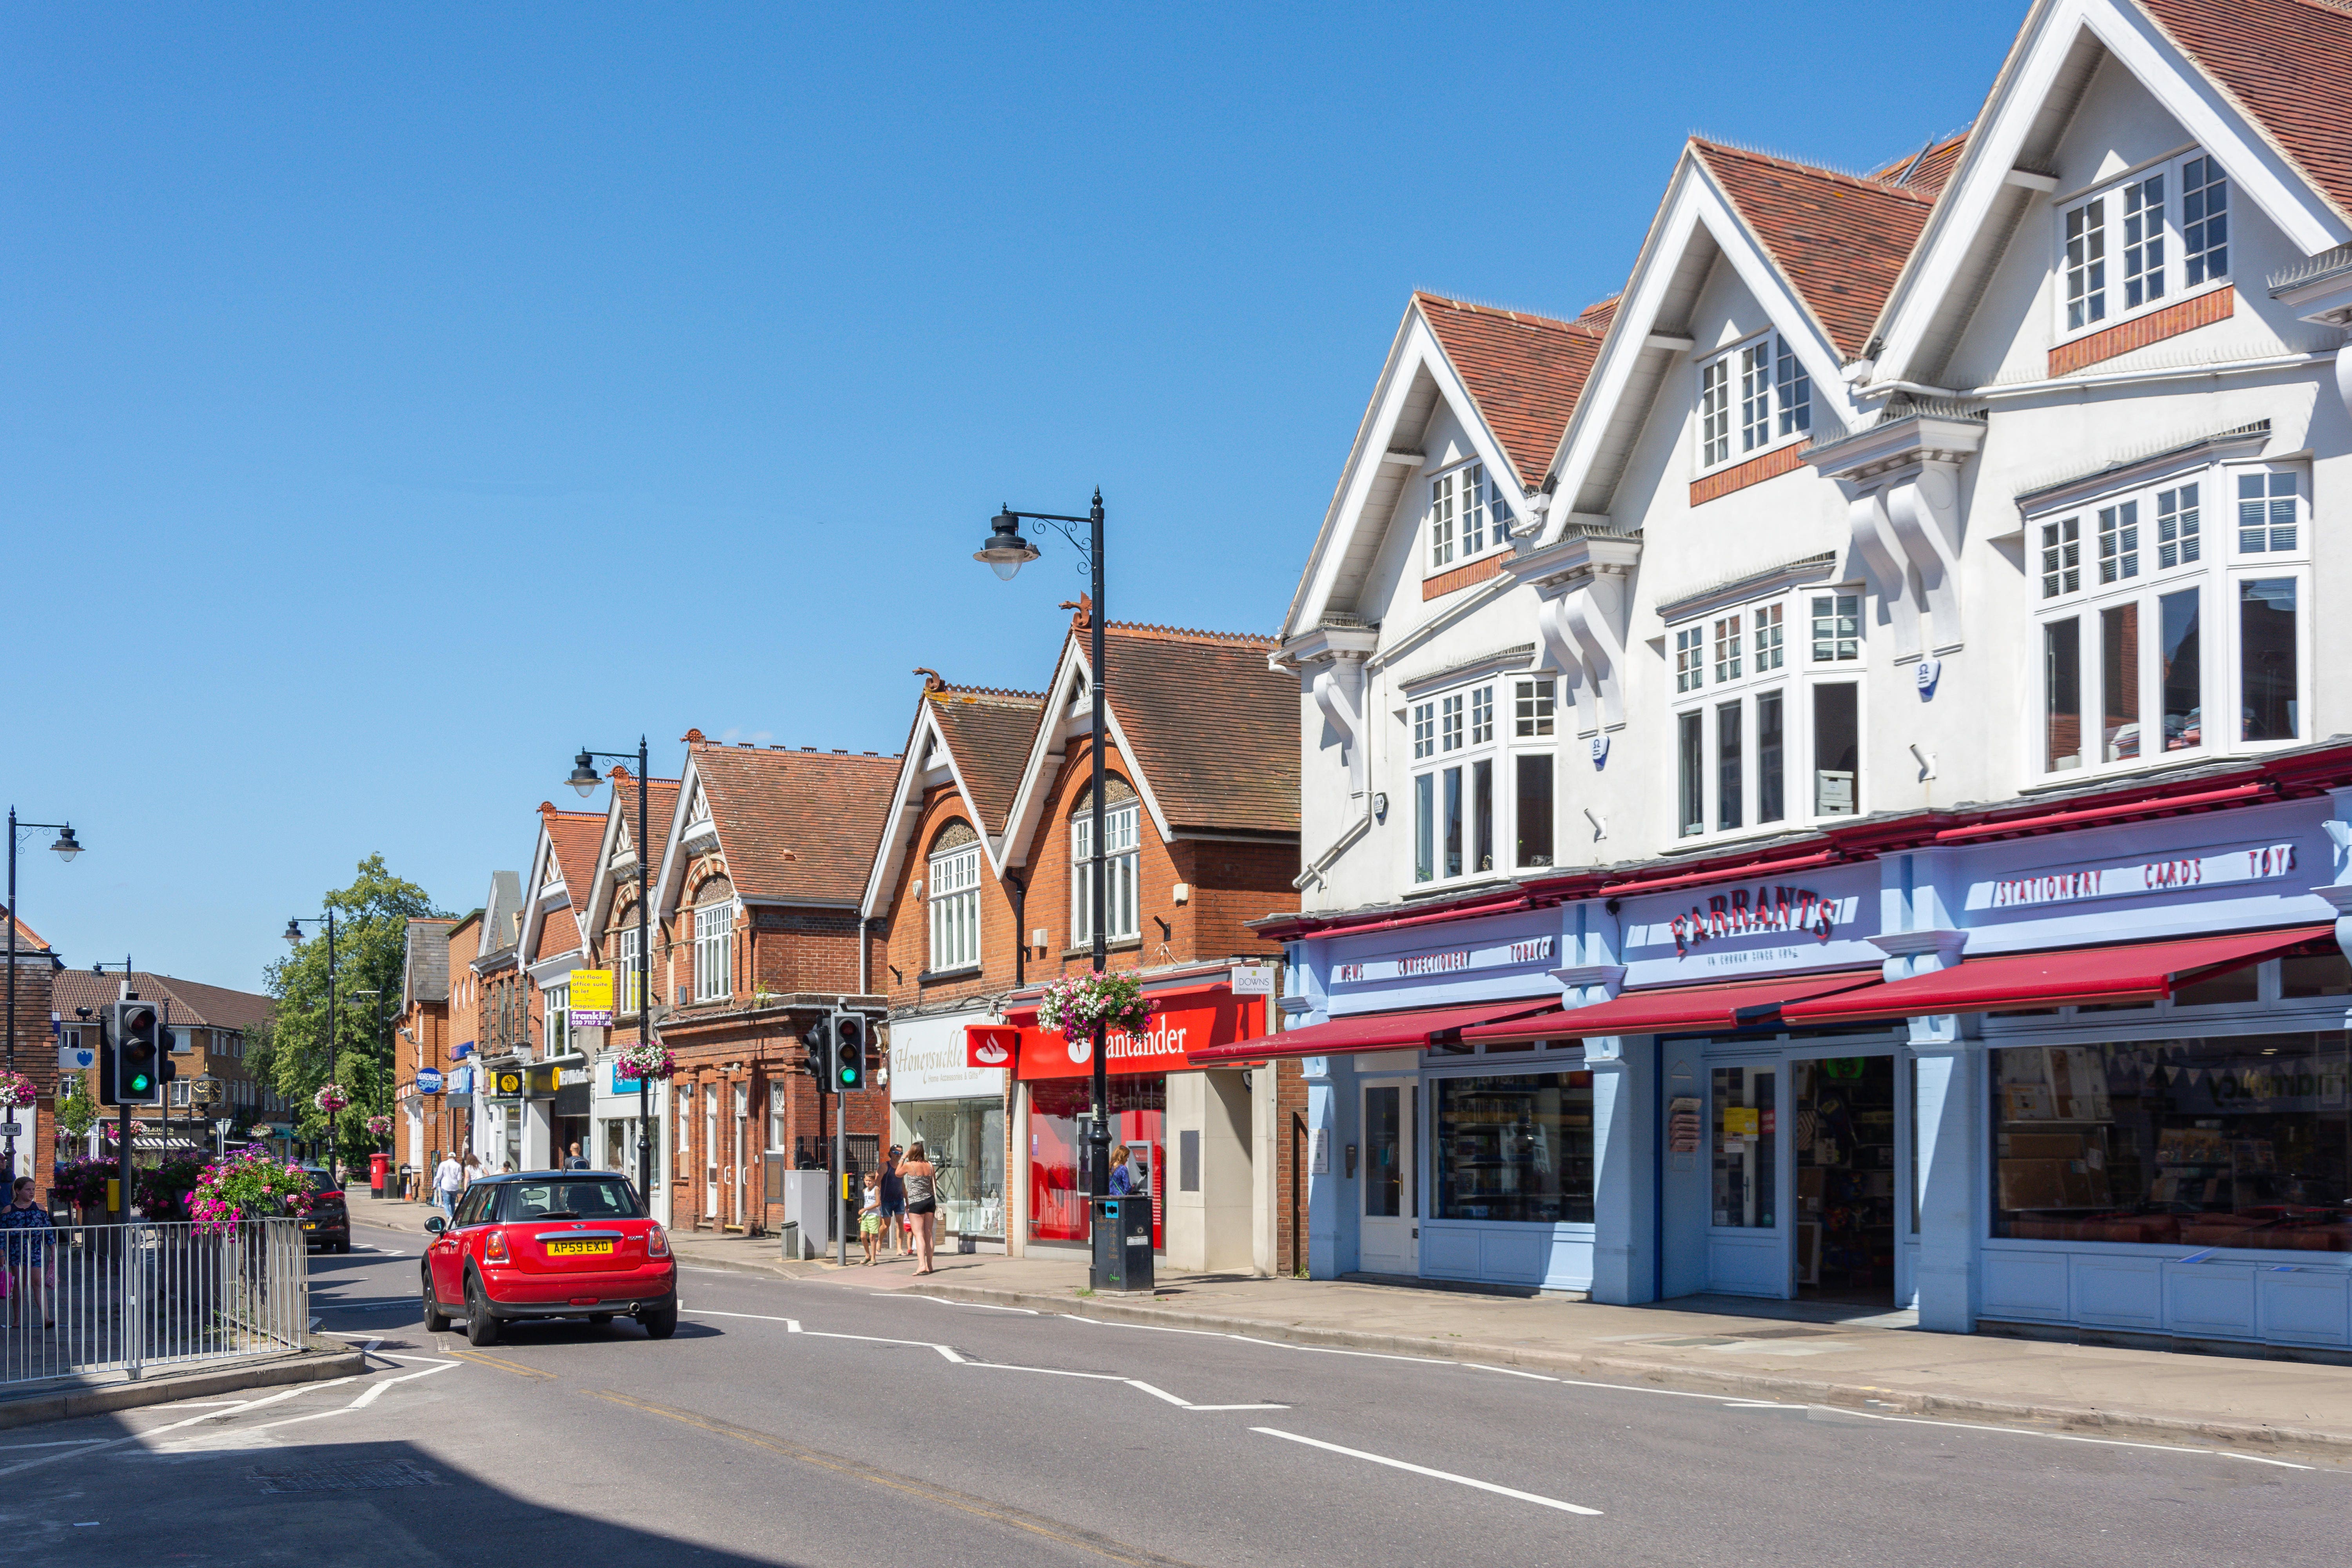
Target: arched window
pixel 1122 839
pixel 714 941
pixel 954 874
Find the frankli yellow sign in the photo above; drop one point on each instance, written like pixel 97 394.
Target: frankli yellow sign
pixel 592 998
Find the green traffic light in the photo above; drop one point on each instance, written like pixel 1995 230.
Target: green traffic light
pixel 138 1083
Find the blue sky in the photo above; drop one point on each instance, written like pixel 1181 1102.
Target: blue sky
pixel 393 399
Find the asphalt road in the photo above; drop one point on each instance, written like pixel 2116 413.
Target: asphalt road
pixel 814 1424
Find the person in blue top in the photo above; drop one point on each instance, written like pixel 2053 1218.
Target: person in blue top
pixel 32 1253
pixel 1122 1177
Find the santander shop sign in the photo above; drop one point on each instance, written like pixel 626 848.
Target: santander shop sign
pixel 1180 1025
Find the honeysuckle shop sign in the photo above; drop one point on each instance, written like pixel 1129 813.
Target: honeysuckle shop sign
pixel 1445 960
pixel 2171 873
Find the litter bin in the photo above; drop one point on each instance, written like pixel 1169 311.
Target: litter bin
pixel 379 1167
pixel 1122 1233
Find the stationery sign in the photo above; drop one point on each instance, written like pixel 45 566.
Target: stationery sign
pixel 592 998
pixel 2171 874
pixel 1443 961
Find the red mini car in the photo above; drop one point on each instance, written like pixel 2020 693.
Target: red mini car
pixel 549 1243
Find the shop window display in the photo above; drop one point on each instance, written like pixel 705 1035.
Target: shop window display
pixel 1747 1146
pixel 1517 1148
pixel 1059 1185
pixel 2244 1142
pixel 1845 1176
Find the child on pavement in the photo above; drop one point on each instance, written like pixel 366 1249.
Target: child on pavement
pixel 869 1218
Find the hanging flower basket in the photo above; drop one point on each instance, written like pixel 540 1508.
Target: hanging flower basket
pixel 646 1059
pixel 1074 1006
pixel 379 1126
pixel 331 1098
pixel 248 1185
pixel 15 1088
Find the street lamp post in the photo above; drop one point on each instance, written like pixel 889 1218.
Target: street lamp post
pixel 1005 552
pixel 294 934
pixel 67 849
pixel 583 780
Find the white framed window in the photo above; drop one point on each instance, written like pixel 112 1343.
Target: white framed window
pixel 776 1103
pixel 1424 730
pixel 714 950
pixel 1487 805
pixel 954 900
pixel 1468 516
pixel 556 1001
pixel 1481 715
pixel 633 971
pixel 1122 835
pixel 1531 708
pixel 1741 737
pixel 1762 380
pixel 2138 244
pixel 2129 652
pixel 1449 723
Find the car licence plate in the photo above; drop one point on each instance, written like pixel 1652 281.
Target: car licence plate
pixel 579 1248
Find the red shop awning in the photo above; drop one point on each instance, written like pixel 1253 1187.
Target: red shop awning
pixel 1678 1009
pixel 2142 972
pixel 1372 1032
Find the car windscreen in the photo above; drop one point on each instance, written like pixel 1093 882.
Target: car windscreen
pixel 565 1198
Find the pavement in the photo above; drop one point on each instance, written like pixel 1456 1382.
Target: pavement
pixel 1753 1350
pixel 823 1422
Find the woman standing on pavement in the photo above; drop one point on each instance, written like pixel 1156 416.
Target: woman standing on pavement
pixel 894 1201
pixel 922 1201
pixel 31 1257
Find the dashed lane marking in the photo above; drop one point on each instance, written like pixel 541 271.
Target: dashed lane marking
pixel 1001 1513
pixel 1438 1475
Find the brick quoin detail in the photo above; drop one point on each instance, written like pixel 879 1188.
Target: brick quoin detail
pixel 1478 570
pixel 1755 471
pixel 2214 305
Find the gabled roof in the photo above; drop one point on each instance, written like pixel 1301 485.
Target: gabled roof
pixel 565 855
pixel 1210 731
pixel 501 916
pixel 1840 240
pixel 1522 371
pixel 1925 170
pixel 28 941
pixel 192 1001
pixel 2289 63
pixel 983 738
pixel 424 966
pixel 796 827
pixel 622 833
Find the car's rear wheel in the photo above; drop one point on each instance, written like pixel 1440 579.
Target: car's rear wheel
pixel 436 1321
pixel 344 1244
pixel 660 1323
pixel 481 1327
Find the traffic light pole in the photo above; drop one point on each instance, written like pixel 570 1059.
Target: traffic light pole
pixel 841 1177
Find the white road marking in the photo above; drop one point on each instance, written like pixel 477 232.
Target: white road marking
pixel 1508 1371
pixel 947 1301
pixel 175 1426
pixel 1426 1470
pixel 61 1443
pixel 369 1397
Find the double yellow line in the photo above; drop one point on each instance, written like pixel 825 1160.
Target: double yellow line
pixel 501 1365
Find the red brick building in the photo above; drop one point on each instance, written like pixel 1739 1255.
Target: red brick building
pixel 610 920
pixel 983 893
pixel 766 853
pixel 34 1048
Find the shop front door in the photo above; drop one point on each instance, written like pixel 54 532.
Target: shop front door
pixel 1389 1242
pixel 1846 1149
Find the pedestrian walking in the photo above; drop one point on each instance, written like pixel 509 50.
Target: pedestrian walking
pixel 869 1218
pixel 32 1254
pixel 894 1203
pixel 448 1180
pixel 578 1161
pixel 922 1202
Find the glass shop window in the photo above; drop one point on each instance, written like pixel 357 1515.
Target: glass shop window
pixel 1747 1146
pixel 1515 1148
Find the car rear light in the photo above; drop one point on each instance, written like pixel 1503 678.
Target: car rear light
pixel 495 1249
pixel 658 1243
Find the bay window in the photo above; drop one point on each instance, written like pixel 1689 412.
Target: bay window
pixel 2125 642
pixel 2137 243
pixel 1732 749
pixel 1123 851
pixel 1458 827
pixel 1767 385
pixel 954 901
pixel 714 950
pixel 1467 516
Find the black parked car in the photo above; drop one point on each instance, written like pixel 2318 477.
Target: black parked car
pixel 328 1223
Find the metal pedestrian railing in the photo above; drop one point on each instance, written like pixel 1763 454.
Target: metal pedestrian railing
pixel 111 1301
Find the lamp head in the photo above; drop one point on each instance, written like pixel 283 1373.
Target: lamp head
pixel 67 846
pixel 1006 551
pixel 294 931
pixel 583 776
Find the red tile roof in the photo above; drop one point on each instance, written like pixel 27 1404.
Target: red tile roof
pixel 1214 729
pixel 575 836
pixel 2289 63
pixel 192 1001
pixel 796 826
pixel 1925 170
pixel 661 800
pixel 1840 239
pixel 27 938
pixel 989 734
pixel 1525 372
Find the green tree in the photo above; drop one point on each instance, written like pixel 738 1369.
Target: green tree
pixel 371 918
pixel 76 1108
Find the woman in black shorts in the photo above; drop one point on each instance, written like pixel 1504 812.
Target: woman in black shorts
pixel 922 1201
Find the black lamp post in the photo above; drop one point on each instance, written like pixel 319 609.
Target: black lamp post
pixel 1006 554
pixel 67 848
pixel 294 934
pixel 584 779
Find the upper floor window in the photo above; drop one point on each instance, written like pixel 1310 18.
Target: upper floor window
pixel 1123 843
pixel 1765 385
pixel 1467 516
pixel 1462 808
pixel 558 1003
pixel 2125 663
pixel 955 898
pixel 1745 719
pixel 633 971
pixel 2135 245
pixel 714 950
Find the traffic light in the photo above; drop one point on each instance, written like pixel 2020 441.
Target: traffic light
pixel 817 1041
pixel 848 1051
pixel 136 1065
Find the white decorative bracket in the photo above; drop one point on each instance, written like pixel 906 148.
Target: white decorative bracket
pixel 1584 591
pixel 1881 559
pixel 1902 488
pixel 1338 688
